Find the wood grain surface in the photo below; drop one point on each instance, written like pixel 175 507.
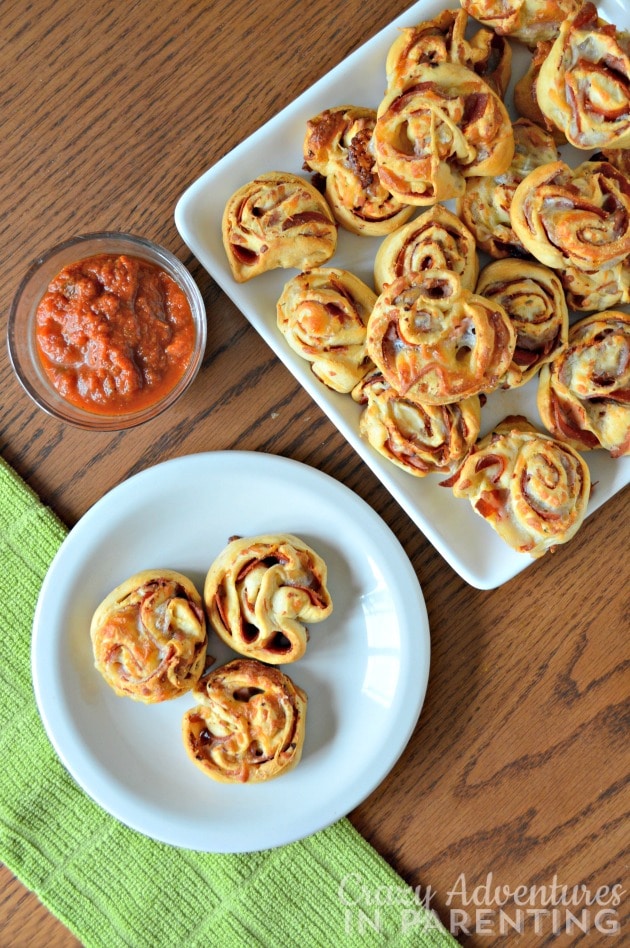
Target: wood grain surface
pixel 518 768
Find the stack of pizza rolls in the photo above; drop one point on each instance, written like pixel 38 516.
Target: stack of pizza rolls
pixel 150 638
pixel 422 348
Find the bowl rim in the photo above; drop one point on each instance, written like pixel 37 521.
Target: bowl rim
pixel 47 398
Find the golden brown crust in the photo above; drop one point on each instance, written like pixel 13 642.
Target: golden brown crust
pixel 277 220
pixel 149 636
pixel 419 438
pixel 597 290
pixel 323 315
pixel 436 342
pixel 337 146
pixel 443 40
pixel 532 489
pixel 584 394
pixel 574 217
pixel 259 593
pixel 530 21
pixel 249 724
pixel 533 298
pixel 435 240
pixel 485 205
pixel 525 96
pixel 584 82
pixel 443 125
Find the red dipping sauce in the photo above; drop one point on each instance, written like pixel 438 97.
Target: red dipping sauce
pixel 114 333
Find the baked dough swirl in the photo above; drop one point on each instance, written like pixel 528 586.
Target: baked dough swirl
pixel 583 87
pixel 443 40
pixel 441 126
pixel 259 593
pixel 248 725
pixel 530 21
pixel 533 298
pixel 574 217
pixel 323 315
pixel 337 147
pixel 598 290
pixel 485 205
pixel 532 489
pixel 277 220
pixel 584 394
pixel 149 636
pixel 525 96
pixel 435 240
pixel 436 342
pixel 419 438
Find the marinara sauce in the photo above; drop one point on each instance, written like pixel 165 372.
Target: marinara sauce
pixel 114 333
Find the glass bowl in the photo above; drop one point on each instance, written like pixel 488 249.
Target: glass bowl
pixel 21 337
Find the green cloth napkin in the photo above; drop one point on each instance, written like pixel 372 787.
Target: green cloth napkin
pixel 114 887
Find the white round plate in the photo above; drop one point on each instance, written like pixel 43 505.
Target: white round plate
pixel 365 670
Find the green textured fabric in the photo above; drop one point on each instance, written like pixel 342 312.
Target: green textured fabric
pixel 114 887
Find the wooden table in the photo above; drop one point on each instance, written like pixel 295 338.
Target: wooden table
pixel 518 765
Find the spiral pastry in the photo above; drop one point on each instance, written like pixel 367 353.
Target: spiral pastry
pixel 598 290
pixel 277 220
pixel 574 217
pixel 260 592
pixel 584 82
pixel 323 315
pixel 584 394
pixel 525 96
pixel 485 205
pixel 531 489
pixel 533 298
pixel 419 438
pixel 436 342
pixel 443 40
pixel 530 21
pixel 337 147
pixel 248 725
pixel 619 158
pixel 436 240
pixel 149 636
pixel 442 125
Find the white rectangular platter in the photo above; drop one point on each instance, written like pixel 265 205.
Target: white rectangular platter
pixel 465 541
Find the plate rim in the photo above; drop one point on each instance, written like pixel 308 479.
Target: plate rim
pixel 41 650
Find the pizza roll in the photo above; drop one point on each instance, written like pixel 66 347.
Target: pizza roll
pixel 533 298
pixel 149 636
pixel 443 40
pixel 248 725
pixel 619 158
pixel 574 217
pixel 277 220
pixel 436 342
pixel 530 21
pixel 584 394
pixel 597 290
pixel 323 315
pixel 259 593
pixel 485 205
pixel 584 82
pixel 442 125
pixel 337 147
pixel 436 240
pixel 525 95
pixel 419 438
pixel 532 489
